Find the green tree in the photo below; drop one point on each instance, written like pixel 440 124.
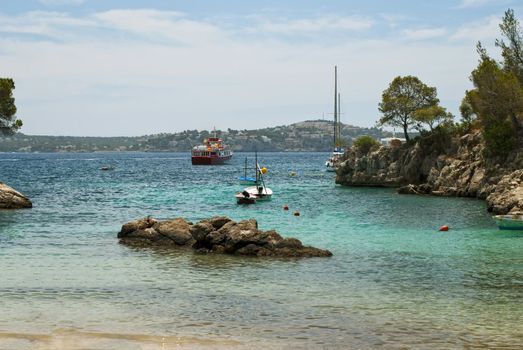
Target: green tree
pixel 498 94
pixel 465 108
pixel 400 101
pixel 433 116
pixel 512 48
pixel 8 122
pixel 497 100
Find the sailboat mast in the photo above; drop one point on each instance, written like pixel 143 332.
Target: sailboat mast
pixel 256 165
pixel 335 104
pixel 339 118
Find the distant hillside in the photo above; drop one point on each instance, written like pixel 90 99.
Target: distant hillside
pixel 314 135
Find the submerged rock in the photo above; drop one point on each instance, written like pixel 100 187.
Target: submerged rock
pixel 218 235
pixel 12 199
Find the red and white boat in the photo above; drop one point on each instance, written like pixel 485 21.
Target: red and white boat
pixel 212 152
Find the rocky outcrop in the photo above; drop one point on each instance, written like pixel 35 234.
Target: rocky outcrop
pixel 440 166
pixel 12 199
pixel 218 235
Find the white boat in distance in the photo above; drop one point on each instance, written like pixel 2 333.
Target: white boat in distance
pixel 335 159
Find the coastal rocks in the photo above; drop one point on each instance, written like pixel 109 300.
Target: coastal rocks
pixel 12 199
pixel 507 194
pixel 218 235
pixel 455 167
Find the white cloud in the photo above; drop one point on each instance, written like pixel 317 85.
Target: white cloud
pixel 159 25
pixel 124 72
pixel 61 2
pixel 484 30
pixel 477 3
pixel 318 24
pixel 425 33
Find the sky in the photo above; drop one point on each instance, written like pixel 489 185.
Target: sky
pixel 135 67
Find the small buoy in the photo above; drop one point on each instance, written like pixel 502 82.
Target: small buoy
pixel 444 228
pixel 292 173
pixel 296 213
pixel 285 207
pixel 263 170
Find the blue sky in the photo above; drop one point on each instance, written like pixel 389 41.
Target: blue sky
pixel 93 67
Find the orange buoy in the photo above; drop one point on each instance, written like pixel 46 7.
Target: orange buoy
pixel 285 207
pixel 296 213
pixel 444 228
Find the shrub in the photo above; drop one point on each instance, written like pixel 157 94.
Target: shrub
pixel 365 143
pixel 500 138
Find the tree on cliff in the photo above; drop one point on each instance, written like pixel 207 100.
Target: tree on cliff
pixel 433 116
pixel 403 98
pixel 8 122
pixel 497 100
pixel 512 48
pixel 497 97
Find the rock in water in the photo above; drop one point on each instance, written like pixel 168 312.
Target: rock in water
pixel 218 235
pixel 12 199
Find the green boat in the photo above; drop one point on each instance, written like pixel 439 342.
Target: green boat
pixel 509 221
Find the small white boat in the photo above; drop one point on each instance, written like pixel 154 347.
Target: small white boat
pixel 260 193
pixel 509 221
pixel 245 198
pixel 334 161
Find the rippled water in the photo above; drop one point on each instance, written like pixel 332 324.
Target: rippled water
pixel 394 280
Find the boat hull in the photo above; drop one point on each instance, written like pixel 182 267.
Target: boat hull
pixel 509 222
pixel 264 195
pixel 210 160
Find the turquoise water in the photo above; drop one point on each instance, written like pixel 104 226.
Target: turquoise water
pixel 394 280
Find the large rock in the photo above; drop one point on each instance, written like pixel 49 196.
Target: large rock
pixel 12 199
pixel 455 167
pixel 219 235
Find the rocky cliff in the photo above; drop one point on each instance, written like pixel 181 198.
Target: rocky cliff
pixel 12 199
pixel 443 166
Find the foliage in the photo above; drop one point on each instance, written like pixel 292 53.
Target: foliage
pixel 512 49
pixel 8 122
pixel 500 138
pixel 433 116
pixel 497 98
pixel 365 143
pixel 401 100
pixel 466 110
pixel 497 95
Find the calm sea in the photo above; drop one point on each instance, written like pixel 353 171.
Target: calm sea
pixel 394 280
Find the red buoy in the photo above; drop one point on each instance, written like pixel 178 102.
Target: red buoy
pixel 444 228
pixel 285 207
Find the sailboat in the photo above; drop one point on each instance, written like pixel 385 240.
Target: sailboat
pixel 258 192
pixel 245 179
pixel 335 158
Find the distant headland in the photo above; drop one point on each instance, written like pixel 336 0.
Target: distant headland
pixel 306 136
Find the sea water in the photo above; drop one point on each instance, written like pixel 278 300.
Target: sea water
pixel 394 280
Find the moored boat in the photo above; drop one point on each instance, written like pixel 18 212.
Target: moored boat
pixel 212 152
pixel 335 158
pixel 247 180
pixel 258 192
pixel 509 221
